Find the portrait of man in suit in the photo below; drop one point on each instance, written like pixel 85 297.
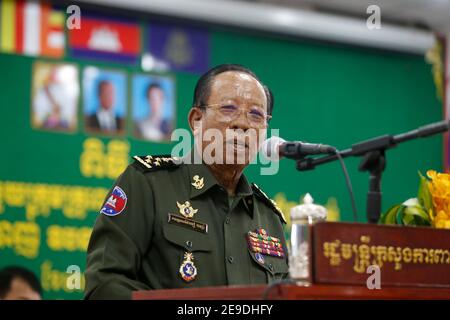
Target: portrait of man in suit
pixel 105 118
pixel 105 102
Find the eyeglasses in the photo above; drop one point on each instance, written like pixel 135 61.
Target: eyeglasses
pixel 228 112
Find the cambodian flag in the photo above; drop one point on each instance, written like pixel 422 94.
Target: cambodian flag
pixel 106 39
pixel 116 202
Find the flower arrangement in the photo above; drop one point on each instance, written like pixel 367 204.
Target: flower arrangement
pixel 431 207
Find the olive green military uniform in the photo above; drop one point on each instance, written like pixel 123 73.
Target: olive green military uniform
pixel 168 224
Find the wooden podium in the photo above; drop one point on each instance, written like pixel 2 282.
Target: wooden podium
pixel 292 292
pixel 412 262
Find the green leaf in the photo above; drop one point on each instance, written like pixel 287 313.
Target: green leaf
pixel 418 214
pixel 424 194
pixel 400 215
pixel 408 219
pixel 389 217
pixel 421 222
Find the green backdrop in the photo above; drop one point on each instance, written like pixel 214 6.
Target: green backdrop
pixel 326 93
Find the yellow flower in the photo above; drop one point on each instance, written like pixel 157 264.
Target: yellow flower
pixel 431 174
pixel 442 220
pixel 439 187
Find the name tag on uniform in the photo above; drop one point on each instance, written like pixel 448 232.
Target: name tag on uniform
pixel 188 223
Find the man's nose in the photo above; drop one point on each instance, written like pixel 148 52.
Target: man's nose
pixel 240 122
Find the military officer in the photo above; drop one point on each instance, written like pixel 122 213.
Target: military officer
pixel 170 223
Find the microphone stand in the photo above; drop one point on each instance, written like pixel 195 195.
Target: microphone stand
pixel 373 160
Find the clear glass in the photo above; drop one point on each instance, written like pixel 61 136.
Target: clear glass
pixel 299 257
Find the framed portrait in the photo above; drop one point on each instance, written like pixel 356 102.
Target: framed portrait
pixel 153 105
pixel 54 97
pixel 104 101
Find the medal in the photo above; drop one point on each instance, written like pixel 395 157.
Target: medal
pixel 188 270
pixel 261 243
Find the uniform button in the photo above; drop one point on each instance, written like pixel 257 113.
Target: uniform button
pixel 189 244
pixel 230 259
pixel 227 220
pixel 249 201
pixel 270 267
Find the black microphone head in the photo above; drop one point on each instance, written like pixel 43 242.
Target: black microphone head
pixel 270 148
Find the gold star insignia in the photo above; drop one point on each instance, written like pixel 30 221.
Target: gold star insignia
pixel 148 159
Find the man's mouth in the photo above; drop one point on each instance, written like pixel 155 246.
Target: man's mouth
pixel 238 143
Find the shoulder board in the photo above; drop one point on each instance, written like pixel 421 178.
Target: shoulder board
pixel 263 196
pixel 155 163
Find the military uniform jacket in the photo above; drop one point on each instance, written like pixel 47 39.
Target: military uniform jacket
pixel 166 224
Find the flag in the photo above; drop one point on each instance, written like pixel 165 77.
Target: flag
pixel 181 48
pixel 106 39
pixel 31 28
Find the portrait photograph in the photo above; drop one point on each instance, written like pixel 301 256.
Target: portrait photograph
pixel 104 101
pixel 153 107
pixel 55 93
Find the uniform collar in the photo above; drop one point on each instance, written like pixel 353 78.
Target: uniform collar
pixel 202 179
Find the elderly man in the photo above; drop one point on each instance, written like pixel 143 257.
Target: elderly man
pixel 176 224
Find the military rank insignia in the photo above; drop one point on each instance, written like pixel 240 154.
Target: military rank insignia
pixel 185 219
pixel 197 182
pixel 188 270
pixel 261 243
pixel 153 163
pixel 186 209
pixel 115 203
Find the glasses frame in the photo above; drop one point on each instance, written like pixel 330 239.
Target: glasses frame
pixel 216 106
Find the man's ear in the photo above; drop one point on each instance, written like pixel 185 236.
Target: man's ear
pixel 194 117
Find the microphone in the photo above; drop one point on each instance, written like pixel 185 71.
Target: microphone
pixel 275 148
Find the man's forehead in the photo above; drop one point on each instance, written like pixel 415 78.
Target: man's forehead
pixel 237 82
pixel 235 77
